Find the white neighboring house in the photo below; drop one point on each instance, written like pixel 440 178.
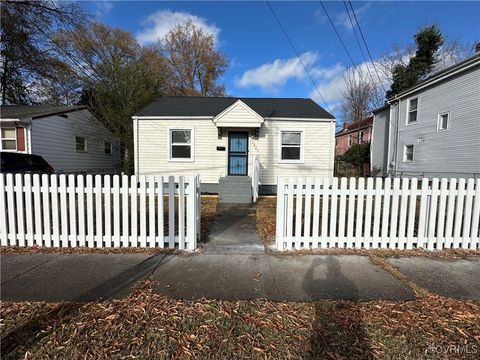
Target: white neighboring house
pixel 433 128
pixel 69 138
pixel 219 138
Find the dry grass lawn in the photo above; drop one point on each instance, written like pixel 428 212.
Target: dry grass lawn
pixel 266 215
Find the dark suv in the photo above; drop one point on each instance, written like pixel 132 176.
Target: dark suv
pixel 18 163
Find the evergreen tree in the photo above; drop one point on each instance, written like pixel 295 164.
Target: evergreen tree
pixel 428 40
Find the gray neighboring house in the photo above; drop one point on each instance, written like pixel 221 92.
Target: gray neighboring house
pixel 69 138
pixel 433 128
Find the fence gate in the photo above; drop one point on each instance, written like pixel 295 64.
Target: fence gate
pixel 377 213
pixel 100 211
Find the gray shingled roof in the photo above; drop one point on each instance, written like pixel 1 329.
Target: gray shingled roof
pixel 211 106
pixel 33 111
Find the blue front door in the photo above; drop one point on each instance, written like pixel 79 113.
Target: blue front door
pixel 237 153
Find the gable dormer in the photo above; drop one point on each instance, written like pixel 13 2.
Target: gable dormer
pixel 238 114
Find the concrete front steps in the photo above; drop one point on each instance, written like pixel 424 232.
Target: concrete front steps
pixel 235 189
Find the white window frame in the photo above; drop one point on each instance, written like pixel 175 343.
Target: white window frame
pixel 192 144
pixel 407 120
pixel 75 144
pixel 440 118
pixel 405 153
pixel 302 147
pixel 350 140
pixel 2 138
pixel 105 142
pixel 360 137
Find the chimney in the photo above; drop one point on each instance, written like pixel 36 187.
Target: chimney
pixel 477 48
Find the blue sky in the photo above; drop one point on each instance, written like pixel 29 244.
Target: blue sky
pixel 261 61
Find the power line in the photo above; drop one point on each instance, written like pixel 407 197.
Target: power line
pixel 339 37
pixel 358 42
pixel 366 46
pixel 298 55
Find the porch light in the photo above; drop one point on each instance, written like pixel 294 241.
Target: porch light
pixel 219 132
pixel 255 133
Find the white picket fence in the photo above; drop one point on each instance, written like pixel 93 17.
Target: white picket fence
pixel 388 214
pixel 99 211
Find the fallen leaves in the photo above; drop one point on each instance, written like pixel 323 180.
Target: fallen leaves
pixel 149 325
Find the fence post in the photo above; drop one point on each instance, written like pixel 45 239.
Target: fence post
pixel 73 210
pixel 90 213
pixel 459 213
pixel 422 221
pixel 198 194
pixel 63 211
pixel 107 190
pixel 191 213
pixel 116 211
pixel 81 210
pixel 280 231
pixel 466 237
pixel 46 209
pixel 171 212
pixel 151 211
pixel 160 213
pixel 3 213
pixel 55 218
pixel 181 212
pixel 143 210
pixel 28 208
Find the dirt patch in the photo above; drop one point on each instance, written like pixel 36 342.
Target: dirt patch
pixel 148 325
pixel 209 213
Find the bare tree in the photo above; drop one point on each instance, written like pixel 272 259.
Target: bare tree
pixel 118 75
pixel 193 64
pixel 27 58
pixel 360 96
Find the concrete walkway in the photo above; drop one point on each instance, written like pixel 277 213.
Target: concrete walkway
pixel 84 277
pixel 234 230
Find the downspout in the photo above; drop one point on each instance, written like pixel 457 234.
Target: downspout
pixel 393 169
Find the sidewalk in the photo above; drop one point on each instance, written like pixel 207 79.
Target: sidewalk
pixel 87 277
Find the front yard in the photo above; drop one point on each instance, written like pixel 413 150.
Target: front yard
pixel 148 325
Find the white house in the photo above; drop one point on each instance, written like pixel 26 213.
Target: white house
pixel 221 138
pixel 69 138
pixel 433 128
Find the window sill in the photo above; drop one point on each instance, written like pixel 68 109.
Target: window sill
pixel 411 123
pixel 181 160
pixel 291 162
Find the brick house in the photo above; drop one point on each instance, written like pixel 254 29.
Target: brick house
pixel 359 132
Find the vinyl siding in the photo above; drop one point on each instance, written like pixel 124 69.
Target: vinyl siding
pixel 211 164
pixel 238 115
pixel 453 152
pixel 53 138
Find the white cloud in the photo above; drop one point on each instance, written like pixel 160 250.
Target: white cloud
pixel 159 24
pixel 332 87
pixel 341 19
pixel 103 7
pixel 272 76
pixel 330 80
